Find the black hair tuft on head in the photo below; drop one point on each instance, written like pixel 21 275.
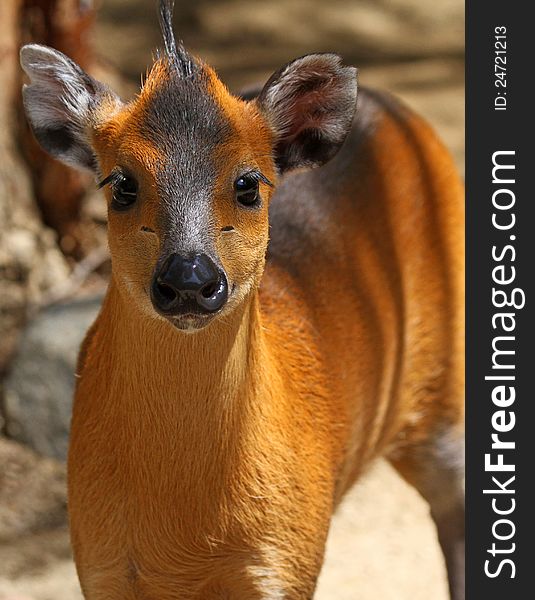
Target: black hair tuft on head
pixel 166 25
pixel 176 53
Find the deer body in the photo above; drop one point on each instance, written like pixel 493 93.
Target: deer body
pixel 224 454
pixel 226 402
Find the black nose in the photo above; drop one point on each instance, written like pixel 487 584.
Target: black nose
pixel 189 285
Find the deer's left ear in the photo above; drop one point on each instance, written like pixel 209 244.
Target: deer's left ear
pixel 62 104
pixel 310 105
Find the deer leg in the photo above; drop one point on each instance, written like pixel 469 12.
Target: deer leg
pixel 436 469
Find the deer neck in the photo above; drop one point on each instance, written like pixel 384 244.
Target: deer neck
pixel 211 365
pixel 178 415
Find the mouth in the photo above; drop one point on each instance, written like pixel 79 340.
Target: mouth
pixel 190 322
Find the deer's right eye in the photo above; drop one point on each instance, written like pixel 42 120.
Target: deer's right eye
pixel 124 192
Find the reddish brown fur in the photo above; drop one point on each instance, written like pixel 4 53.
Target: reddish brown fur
pixel 208 465
pixel 59 190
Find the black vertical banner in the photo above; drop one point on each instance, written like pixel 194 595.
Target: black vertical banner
pixel 500 163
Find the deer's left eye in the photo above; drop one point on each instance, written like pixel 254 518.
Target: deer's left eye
pixel 124 192
pixel 246 188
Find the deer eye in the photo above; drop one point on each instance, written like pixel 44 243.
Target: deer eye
pixel 124 192
pixel 246 188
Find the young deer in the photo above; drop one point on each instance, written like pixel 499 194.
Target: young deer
pixel 232 389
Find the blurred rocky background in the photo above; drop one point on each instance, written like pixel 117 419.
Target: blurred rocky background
pixel 54 262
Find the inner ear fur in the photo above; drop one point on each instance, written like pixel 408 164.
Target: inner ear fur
pixel 309 104
pixel 61 103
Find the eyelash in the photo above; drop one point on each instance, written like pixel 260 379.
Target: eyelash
pixel 256 175
pixel 112 179
pixel 115 177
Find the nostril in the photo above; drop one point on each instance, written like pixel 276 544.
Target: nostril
pixel 209 289
pixel 166 291
pixel 213 294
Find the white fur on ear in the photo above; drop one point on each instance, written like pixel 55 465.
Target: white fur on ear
pixel 59 102
pixel 310 105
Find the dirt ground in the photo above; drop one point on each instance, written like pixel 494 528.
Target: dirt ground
pixel 382 545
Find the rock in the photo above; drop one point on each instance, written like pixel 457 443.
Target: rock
pixel 32 492
pixel 40 385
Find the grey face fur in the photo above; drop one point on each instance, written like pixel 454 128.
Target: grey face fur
pixel 183 122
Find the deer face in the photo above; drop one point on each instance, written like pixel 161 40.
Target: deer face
pixel 188 168
pixel 188 172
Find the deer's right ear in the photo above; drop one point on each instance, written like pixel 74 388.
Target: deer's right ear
pixel 61 103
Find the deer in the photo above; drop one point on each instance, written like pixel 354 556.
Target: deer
pixel 285 306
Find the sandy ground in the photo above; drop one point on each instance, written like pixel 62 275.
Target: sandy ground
pixel 382 544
